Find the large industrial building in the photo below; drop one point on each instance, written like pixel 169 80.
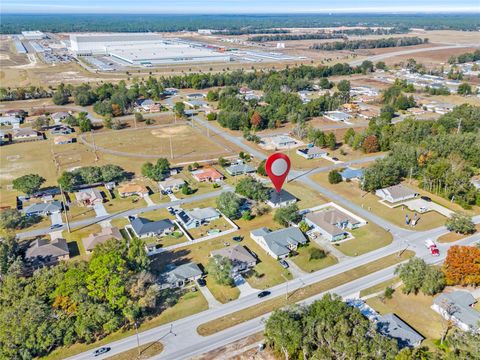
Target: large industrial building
pixel 143 49
pixel 33 35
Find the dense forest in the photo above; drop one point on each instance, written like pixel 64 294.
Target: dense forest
pixel 14 23
pixel 374 31
pixel 369 44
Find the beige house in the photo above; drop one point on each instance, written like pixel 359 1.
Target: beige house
pixel 130 189
pixel 103 236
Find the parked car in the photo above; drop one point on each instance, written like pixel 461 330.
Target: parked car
pixel 237 238
pixel 201 282
pixel 56 226
pixel 264 293
pixel 426 198
pixel 171 210
pixel 334 159
pixel 284 264
pixel 163 192
pixel 101 351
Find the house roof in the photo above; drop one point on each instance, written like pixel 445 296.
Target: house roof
pixel 313 150
pixel 106 234
pixel 25 132
pixel 203 214
pixel 184 272
pixel 350 173
pixel 398 191
pixel 132 188
pixel 207 173
pixel 279 240
pixel 10 119
pixel 59 115
pixel 240 168
pixel 392 326
pixel 281 197
pixel 53 206
pixel 461 309
pixel 328 219
pixel 90 194
pixel 43 248
pixel 144 226
pixel 171 182
pixel 148 102
pixel 236 253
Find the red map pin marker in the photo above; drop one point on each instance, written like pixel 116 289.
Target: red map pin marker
pixel 277 167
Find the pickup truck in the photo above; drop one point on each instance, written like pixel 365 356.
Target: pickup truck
pixel 432 247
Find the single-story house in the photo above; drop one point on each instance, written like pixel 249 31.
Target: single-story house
pixel 181 275
pixel 239 168
pixel 150 105
pixel 283 198
pixel 110 185
pixel 194 218
pixel 245 90
pixel 249 97
pixel 283 141
pixel 10 120
pixel 280 243
pixel 44 208
pixel 147 228
pixel 242 259
pixel 62 130
pixel 170 91
pixel 458 307
pixel 26 134
pixel 171 184
pixel 332 223
pixel 194 96
pixel 89 197
pixel 59 116
pixel 62 140
pixel 195 104
pixel 351 174
pixel 396 193
pixel 390 325
pixel 102 237
pixel 42 252
pixel 130 189
pixel 337 116
pixel 4 138
pixel 207 174
pixel 15 112
pixel 312 152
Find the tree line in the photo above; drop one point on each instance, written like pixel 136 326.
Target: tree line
pixel 290 37
pixel 464 58
pixel 369 44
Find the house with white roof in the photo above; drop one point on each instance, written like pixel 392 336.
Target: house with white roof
pixel 396 193
pixel 457 306
pixel 191 219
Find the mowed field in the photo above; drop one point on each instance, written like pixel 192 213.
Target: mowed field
pixel 186 143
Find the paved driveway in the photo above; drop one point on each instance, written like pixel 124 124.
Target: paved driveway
pixel 243 286
pixel 100 210
pixel 294 269
pixel 422 206
pixel 212 302
pixel 56 218
pixel 148 200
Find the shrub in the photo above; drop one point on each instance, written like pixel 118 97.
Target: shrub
pixel 317 254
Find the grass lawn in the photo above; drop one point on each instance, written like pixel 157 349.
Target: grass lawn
pixel 307 197
pixel 190 303
pixel 74 239
pixel 303 261
pixel 222 293
pixel 119 204
pixel 201 231
pixel 265 307
pixel 146 352
pixel 352 192
pixel 78 212
pixel 379 287
pixel 414 310
pixel 367 238
pixel 452 236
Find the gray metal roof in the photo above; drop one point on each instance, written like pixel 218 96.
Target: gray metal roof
pixel 278 241
pixel 240 168
pixel 281 197
pixel 203 214
pixel 237 254
pixel 392 326
pixel 54 206
pixel 144 226
pixel 184 272
pixel 42 248
pixel 461 302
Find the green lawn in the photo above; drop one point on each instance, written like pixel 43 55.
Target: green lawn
pixel 146 352
pixel 367 238
pixel 74 239
pixel 190 303
pixel 303 261
pixel 380 287
pixel 222 293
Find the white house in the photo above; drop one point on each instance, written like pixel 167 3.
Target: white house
pixel 280 243
pixel 333 223
pixel 458 307
pixel 283 198
pixel 396 193
pixel 312 152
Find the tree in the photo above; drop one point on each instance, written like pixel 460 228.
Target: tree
pixel 117 124
pixel 287 215
pixel 157 172
pixel 179 109
pixel 28 184
pixel 107 122
pixel 9 252
pixel 334 177
pixel 417 275
pixel 252 189
pixel 317 254
pixel 388 293
pixel 330 141
pixel 41 122
pixel 461 266
pixel 303 226
pixel 186 189
pixel 348 137
pixel 211 116
pixel 60 96
pixel 380 65
pixel 256 120
pixel 229 204
pixel 220 268
pixel 370 144
pixel 139 117
pixel 284 331
pixel 460 223
pixel 464 89
pixel 344 86
pixel 223 162
pixel 261 168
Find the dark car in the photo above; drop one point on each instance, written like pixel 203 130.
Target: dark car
pixel 101 351
pixel 262 294
pixel 334 159
pixel 284 264
pixel 201 282
pixel 426 198
pixel 237 238
pixel 56 226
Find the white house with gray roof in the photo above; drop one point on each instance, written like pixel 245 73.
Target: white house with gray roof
pixel 390 325
pixel 458 307
pixel 239 168
pixel 181 275
pixel 280 199
pixel 242 260
pixel 44 208
pixel 280 243
pixel 396 193
pixel 191 219
pixel 147 228
pixel 332 223
pixel 312 152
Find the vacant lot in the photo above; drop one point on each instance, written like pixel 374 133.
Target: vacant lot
pixel 306 263
pixel 367 238
pixel 452 236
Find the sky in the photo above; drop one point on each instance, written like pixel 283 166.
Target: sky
pixel 235 6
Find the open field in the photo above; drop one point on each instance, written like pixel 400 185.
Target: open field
pixel 352 191
pixel 414 310
pixel 367 238
pixel 265 307
pixel 189 303
pixel 146 352
pixel 453 237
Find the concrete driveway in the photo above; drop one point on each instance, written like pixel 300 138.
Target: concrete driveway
pixel 294 269
pixel 100 210
pixel 212 302
pixel 422 206
pixel 148 200
pixel 56 218
pixel 243 286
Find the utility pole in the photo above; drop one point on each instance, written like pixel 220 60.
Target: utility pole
pixel 138 340
pixel 286 292
pixel 94 146
pixel 171 147
pixel 66 212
